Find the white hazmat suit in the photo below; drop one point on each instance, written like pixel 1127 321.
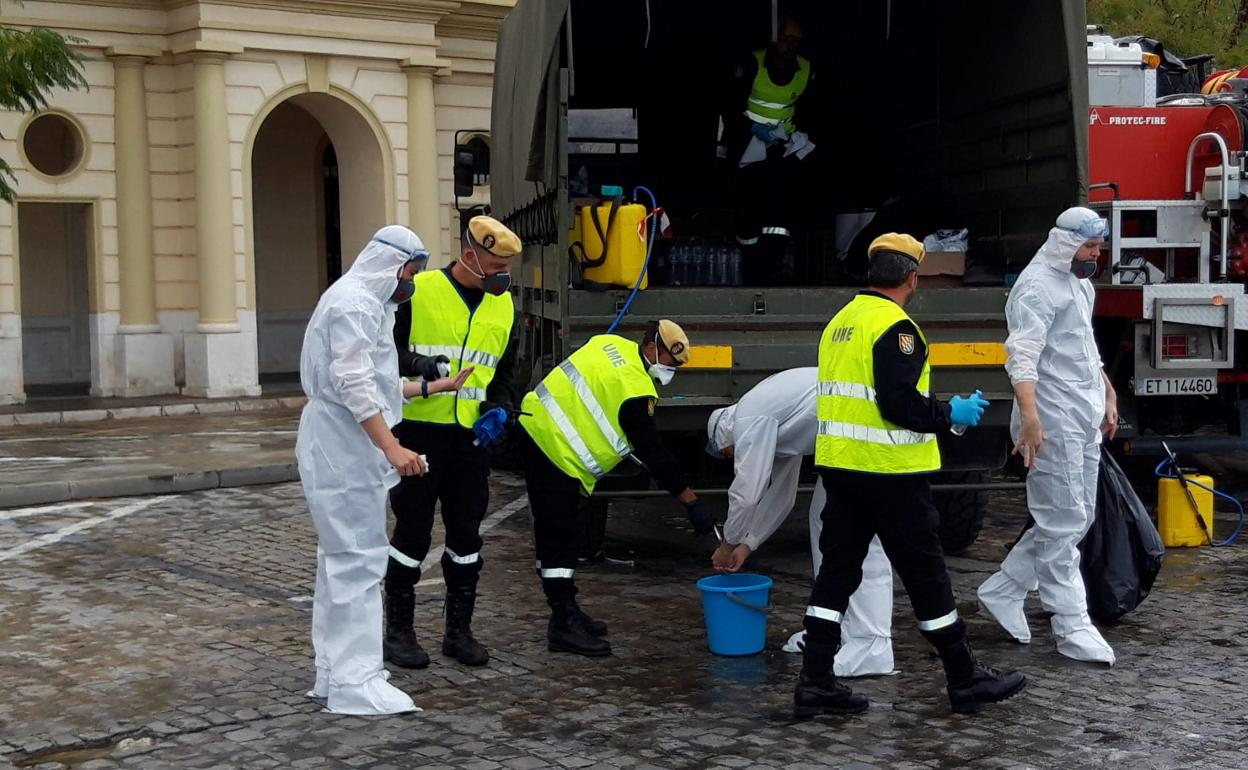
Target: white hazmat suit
pixel 771 428
pixel 350 372
pixel 1050 342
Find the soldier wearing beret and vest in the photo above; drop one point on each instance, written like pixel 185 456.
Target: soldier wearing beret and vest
pixel 461 319
pixel 591 412
pixel 875 450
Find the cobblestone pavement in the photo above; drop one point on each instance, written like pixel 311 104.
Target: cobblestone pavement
pixel 173 632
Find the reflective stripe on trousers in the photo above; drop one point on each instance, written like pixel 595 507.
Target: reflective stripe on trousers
pixel 404 559
pixel 944 621
pixel 471 558
pixel 824 614
pixel 555 573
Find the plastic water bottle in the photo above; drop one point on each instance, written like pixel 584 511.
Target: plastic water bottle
pixel 697 263
pixel 734 266
pixel 719 264
pixel 679 261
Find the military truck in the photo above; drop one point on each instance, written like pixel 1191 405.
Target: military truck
pixel 965 114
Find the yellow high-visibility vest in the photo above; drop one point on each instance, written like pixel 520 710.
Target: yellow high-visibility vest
pixel 772 104
pixel 853 434
pixel 576 409
pixel 442 325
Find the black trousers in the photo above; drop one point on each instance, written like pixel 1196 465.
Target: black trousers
pixel 899 509
pixel 554 500
pixel 458 476
pixel 764 215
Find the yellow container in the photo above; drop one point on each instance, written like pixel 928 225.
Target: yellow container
pixel 1176 521
pixel 625 248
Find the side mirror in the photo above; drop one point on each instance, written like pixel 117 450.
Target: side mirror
pixel 472 165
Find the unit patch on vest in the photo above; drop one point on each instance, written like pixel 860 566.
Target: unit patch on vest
pixel 906 343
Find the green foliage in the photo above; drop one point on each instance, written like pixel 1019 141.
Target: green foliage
pixel 33 63
pixel 1186 27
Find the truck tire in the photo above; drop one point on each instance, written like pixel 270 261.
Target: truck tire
pixel 961 513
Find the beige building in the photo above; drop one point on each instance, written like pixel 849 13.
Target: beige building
pixel 177 221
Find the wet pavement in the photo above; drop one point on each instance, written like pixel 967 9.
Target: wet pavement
pixel 69 461
pixel 172 631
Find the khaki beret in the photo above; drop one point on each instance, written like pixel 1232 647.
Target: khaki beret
pixel 493 236
pixel 898 243
pixel 675 340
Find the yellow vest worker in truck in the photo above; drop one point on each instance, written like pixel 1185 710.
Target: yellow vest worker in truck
pixel 875 449
pixel 764 136
pixel 591 412
pixel 462 323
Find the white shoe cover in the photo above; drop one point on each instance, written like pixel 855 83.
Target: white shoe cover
pixel 857 657
pixel 320 690
pixel 1078 639
pixel 796 642
pixel 374 697
pixel 1002 598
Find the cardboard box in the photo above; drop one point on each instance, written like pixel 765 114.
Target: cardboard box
pixel 943 263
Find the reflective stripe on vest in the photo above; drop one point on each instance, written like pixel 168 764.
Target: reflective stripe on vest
pixel 573 414
pixel 772 104
pixel 442 325
pixel 852 432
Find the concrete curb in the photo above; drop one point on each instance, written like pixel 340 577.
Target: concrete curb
pixel 40 493
pixel 167 410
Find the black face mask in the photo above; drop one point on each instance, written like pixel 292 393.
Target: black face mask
pixel 496 284
pixel 1084 269
pixel 404 291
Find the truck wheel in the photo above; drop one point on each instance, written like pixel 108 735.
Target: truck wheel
pixel 961 513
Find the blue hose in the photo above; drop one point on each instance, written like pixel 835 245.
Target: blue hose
pixel 1174 473
pixel 650 239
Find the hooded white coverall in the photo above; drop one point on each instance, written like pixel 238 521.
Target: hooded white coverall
pixel 1050 342
pixel 350 372
pixel 771 428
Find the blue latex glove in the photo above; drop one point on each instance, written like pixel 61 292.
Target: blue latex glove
pixel 763 132
pixel 967 410
pixel 489 426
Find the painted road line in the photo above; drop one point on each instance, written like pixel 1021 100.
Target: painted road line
pixel 52 538
pixel 39 510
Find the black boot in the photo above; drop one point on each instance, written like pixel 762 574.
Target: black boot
pixel 591 626
pixel 971 683
pixel 458 642
pixel 818 689
pixel 399 645
pixel 566 633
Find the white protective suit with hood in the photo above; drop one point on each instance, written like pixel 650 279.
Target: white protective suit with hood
pixel 350 371
pixel 771 428
pixel 1050 342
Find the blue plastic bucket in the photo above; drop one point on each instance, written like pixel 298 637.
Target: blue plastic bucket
pixel 736 612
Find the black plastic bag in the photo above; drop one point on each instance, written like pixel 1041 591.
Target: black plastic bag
pixel 1122 551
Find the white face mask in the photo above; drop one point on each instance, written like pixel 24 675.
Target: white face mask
pixel 662 372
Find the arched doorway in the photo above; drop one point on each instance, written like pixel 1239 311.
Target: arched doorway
pixel 317 195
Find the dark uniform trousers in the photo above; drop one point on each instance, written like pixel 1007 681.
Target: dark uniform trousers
pixel 554 501
pixel 898 508
pixel 458 476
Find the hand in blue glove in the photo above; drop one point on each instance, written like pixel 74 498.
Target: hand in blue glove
pixel 489 426
pixel 967 410
pixel 763 132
